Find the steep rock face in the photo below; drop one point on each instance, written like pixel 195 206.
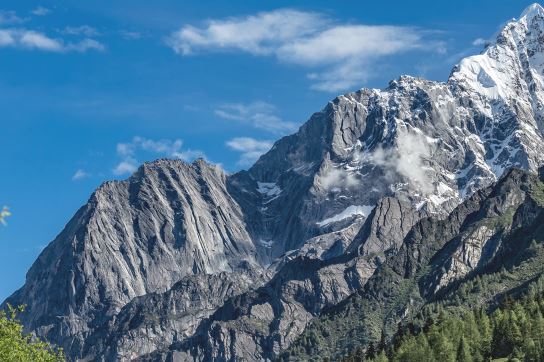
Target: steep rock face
pixel 510 206
pixel 391 221
pixel 429 143
pixel 259 324
pixel 475 239
pixel 134 237
pixel 324 208
pixel 157 320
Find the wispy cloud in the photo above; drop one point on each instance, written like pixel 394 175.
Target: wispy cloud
pixel 34 40
pixel 130 151
pixel 16 36
pixel 127 166
pixel 481 41
pixel 30 39
pixel 339 53
pixel 41 11
pixel 131 35
pixel 8 17
pixel 257 114
pixel 80 174
pixel 84 45
pixel 85 30
pixel 261 34
pixel 250 148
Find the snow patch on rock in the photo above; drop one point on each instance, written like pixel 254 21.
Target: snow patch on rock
pixel 350 211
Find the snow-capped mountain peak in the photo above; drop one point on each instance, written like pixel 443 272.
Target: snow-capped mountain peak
pixel 532 10
pixel 423 145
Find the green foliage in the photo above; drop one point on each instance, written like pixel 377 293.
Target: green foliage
pixel 3 214
pixel 403 289
pixel 513 332
pixel 15 346
pixel 537 192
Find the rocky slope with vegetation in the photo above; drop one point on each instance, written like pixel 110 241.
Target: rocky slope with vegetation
pixel 383 203
pixel 443 263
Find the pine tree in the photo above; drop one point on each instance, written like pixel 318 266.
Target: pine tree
pixel 381 357
pixel 517 355
pixel 441 347
pixel 371 351
pixel 382 345
pixel 515 331
pixel 359 355
pixel 531 351
pixel 463 351
pixel 486 333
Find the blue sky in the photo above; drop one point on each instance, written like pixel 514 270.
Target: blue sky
pixel 88 90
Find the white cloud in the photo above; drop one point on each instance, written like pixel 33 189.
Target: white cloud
pixel 34 40
pixel 342 43
pixel 85 30
pixel 250 148
pixel 164 146
pixel 19 37
pixel 41 11
pixel 127 166
pixel 189 155
pixel 338 178
pixel 131 35
pixel 337 52
pixel 6 38
pixel 79 174
pixel 84 45
pixel 30 39
pixel 258 114
pixel 129 152
pixel 342 76
pixel 481 41
pixel 406 160
pixel 260 34
pixel 9 18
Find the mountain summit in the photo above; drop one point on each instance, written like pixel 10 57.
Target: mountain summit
pixel 533 10
pixel 183 261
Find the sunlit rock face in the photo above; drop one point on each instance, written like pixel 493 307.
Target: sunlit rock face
pixel 301 230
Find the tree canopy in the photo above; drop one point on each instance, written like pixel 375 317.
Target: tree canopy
pixel 3 214
pixel 513 332
pixel 17 346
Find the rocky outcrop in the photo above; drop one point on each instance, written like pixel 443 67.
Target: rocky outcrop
pixel 490 230
pixel 320 216
pixel 168 221
pixel 259 324
pixel 158 320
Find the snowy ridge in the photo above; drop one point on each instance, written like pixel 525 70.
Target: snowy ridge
pixel 350 211
pixel 413 149
pixel 269 189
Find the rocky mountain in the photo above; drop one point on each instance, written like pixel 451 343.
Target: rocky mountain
pixel 493 241
pixel 184 262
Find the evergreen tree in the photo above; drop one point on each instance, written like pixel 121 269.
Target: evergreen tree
pixel 371 351
pixel 381 357
pixel 382 345
pixel 441 347
pixel 514 331
pixel 486 334
pixel 531 351
pixel 463 351
pixel 359 355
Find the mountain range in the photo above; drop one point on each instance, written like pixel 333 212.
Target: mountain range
pixel 383 203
